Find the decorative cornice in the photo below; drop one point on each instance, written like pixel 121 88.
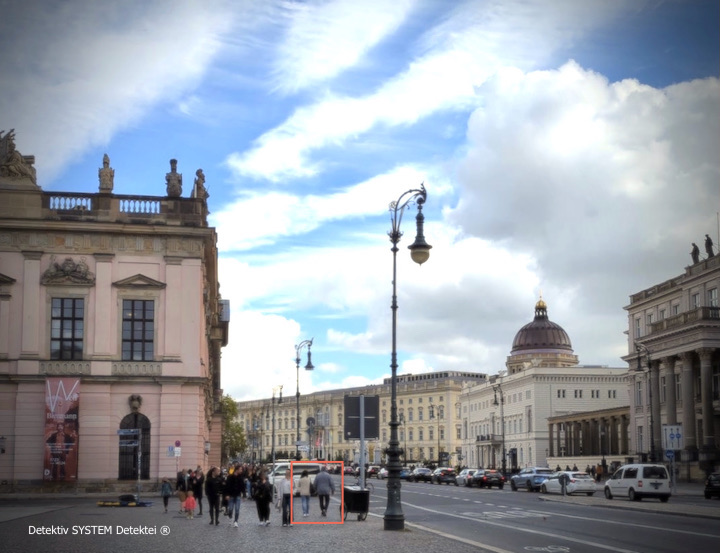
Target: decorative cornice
pixel 133 368
pixel 4 279
pixel 139 282
pixel 69 273
pixel 65 367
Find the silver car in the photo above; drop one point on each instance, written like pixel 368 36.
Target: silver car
pixel 576 482
pixel 465 478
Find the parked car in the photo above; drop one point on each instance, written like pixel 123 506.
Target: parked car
pixel 576 482
pixel 420 474
pixel 349 471
pixel 465 478
pixel 372 471
pixel 487 478
pixel 712 485
pixel 382 473
pixel 530 478
pixel 444 475
pixel 404 474
pixel 637 481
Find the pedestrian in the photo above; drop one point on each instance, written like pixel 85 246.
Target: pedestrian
pixel 284 491
pixel 181 486
pixel 305 492
pixel 223 478
pixel 213 491
pixel 324 487
pixel 165 492
pixel 263 495
pixel 233 491
pixel 198 482
pixel 190 504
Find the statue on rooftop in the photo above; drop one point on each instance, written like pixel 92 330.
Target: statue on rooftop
pixel 106 175
pixel 173 180
pixel 12 163
pixel 695 253
pixel 709 246
pixel 199 191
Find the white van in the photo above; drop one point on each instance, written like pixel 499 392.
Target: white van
pixel 638 481
pixel 297 469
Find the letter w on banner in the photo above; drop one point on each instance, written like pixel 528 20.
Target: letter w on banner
pixel 62 400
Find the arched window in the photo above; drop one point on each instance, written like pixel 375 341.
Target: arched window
pixel 128 454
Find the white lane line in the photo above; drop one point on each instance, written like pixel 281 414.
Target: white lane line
pixel 526 530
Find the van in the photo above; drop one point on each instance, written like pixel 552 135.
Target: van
pixel 637 481
pixel 297 470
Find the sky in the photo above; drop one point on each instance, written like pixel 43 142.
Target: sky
pixel 568 149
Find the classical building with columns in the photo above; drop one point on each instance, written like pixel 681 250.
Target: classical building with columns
pixel 546 409
pixel 674 359
pixel 111 327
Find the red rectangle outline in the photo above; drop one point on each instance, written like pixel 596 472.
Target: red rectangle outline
pixel 342 491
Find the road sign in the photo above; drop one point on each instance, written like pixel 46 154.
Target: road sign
pixel 170 451
pixel 672 436
pixel 301 444
pixel 177 452
pixel 177 443
pixel 127 431
pixel 128 443
pixel 303 448
pixel 670 454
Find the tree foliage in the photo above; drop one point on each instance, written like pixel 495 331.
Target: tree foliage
pixel 233 437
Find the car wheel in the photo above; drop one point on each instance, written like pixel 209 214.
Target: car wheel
pixel 543 489
pixel 608 493
pixel 707 495
pixel 500 487
pixel 664 498
pixel 456 482
pixel 513 485
pixel 632 496
pixel 529 487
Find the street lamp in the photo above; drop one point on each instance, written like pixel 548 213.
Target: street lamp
pixel 308 367
pixel 498 388
pixel 402 421
pixel 275 390
pixel 394 519
pixel 432 416
pixel 640 348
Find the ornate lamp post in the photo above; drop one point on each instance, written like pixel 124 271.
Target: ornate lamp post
pixel 394 519
pixel 402 421
pixel 437 418
pixel 275 390
pixel 498 388
pixel 640 348
pixel 308 367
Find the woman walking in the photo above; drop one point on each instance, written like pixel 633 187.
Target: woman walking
pixel 305 492
pixel 166 492
pixel 263 497
pixel 213 491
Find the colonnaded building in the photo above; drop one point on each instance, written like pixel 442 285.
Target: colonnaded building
pixel 111 327
pixel 674 357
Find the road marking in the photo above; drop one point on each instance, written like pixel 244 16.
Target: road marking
pixel 521 529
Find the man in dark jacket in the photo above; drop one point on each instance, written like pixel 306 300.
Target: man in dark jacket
pixel 234 486
pixel 198 483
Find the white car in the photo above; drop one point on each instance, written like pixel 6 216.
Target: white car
pixel 576 482
pixel 382 473
pixel 465 478
pixel 639 480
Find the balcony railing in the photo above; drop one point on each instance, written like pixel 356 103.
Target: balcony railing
pixel 686 318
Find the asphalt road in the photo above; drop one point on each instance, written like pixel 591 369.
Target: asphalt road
pixel 506 521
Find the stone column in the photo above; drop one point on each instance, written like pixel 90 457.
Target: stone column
pixel 708 426
pixel 688 402
pixel 624 445
pixel 32 296
pixel 655 409
pixel 670 403
pixel 551 442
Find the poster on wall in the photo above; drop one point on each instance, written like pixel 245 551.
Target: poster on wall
pixel 62 399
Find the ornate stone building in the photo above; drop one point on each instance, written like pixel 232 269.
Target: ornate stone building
pixel 111 326
pixel 674 359
pixel 525 416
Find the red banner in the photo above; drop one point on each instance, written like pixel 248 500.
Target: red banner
pixel 62 400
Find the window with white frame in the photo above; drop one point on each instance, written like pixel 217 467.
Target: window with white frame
pixel 694 301
pixel 713 297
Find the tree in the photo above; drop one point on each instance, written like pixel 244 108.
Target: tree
pixel 233 437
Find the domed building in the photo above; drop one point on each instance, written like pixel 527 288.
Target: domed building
pixel 541 343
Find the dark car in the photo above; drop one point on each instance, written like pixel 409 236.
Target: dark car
pixel 444 476
pixel 712 485
pixel 488 478
pixel 420 474
pixel 530 478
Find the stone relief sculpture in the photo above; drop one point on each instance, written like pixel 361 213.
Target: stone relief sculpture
pixel 135 402
pixel 173 180
pixel 695 253
pixel 199 190
pixel 13 164
pixel 106 175
pixel 68 273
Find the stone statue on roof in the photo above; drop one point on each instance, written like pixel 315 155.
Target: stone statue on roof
pixel 13 164
pixel 709 246
pixel 106 174
pixel 695 253
pixel 199 190
pixel 173 180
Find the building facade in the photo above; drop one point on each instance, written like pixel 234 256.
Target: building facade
pixel 506 418
pixel 111 326
pixel 674 362
pixel 428 409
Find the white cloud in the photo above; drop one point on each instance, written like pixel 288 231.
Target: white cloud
pixel 325 38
